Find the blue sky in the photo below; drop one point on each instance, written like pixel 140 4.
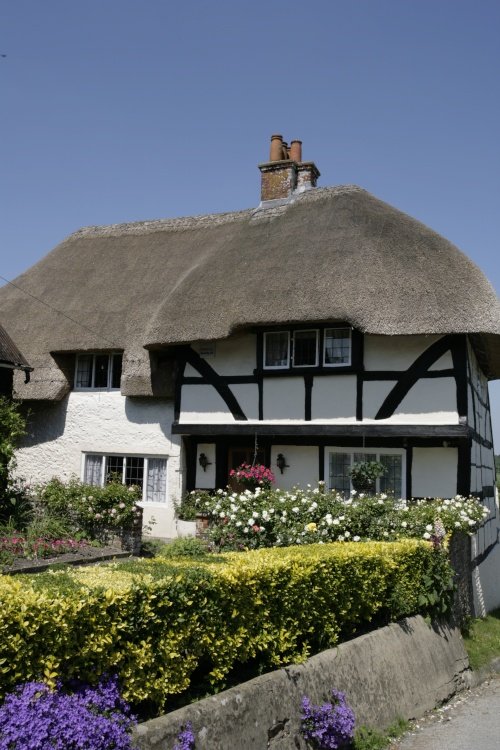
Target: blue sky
pixel 122 110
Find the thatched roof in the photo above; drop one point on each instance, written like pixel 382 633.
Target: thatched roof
pixel 329 254
pixel 10 356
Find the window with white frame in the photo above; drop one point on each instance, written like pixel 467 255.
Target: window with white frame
pixel 102 370
pixel 341 460
pixel 276 350
pixel 301 348
pixel 337 347
pixel 305 348
pixel 147 472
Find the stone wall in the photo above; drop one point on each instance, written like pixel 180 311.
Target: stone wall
pixel 402 670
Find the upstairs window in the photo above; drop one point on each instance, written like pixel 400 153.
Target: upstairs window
pixel 98 371
pixel 311 347
pixel 305 348
pixel 337 347
pixel 276 350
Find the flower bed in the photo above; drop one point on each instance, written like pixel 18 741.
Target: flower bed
pixel 18 545
pixel 269 518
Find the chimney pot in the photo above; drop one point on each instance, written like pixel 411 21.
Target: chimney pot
pixel 276 148
pixel 296 151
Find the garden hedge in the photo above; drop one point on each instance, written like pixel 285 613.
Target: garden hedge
pixel 159 623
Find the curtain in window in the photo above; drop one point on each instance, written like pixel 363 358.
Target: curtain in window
pixel 276 349
pixel 156 485
pixel 93 470
pixel 84 371
pixel 337 346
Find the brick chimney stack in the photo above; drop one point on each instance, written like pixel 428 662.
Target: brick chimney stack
pixel 285 173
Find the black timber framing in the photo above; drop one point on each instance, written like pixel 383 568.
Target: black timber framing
pixel 444 432
pixel 404 379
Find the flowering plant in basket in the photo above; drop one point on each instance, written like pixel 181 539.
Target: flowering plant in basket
pixel 254 476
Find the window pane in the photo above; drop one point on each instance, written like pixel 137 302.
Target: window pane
pixel 337 346
pixel 101 370
pixel 305 348
pixel 114 468
pixel 93 467
pixel 134 471
pixel 340 463
pixel 84 371
pixel 117 371
pixel 391 482
pixel 157 480
pixel 276 347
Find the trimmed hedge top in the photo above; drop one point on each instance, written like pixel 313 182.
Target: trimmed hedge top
pixel 156 622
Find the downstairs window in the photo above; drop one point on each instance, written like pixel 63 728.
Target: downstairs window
pixel 147 472
pixel 340 462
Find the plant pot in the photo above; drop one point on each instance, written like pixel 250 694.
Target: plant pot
pixel 364 485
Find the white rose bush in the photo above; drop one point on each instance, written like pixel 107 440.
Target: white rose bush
pixel 280 518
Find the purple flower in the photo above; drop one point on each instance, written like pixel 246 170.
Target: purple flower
pixel 33 717
pixel 185 738
pixel 329 726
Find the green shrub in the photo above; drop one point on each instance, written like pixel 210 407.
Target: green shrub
pixel 184 547
pixel 92 512
pixel 156 623
pixel 12 428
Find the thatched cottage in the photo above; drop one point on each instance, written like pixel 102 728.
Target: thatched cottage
pixel 320 328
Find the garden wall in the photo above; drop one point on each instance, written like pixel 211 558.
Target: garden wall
pixel 402 670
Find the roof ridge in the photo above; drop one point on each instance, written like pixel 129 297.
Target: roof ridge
pixel 153 225
pixel 182 223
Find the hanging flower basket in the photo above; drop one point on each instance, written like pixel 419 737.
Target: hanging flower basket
pixel 251 477
pixel 364 475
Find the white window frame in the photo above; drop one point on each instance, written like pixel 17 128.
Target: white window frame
pixel 276 367
pixel 107 387
pixel 337 364
pixel 306 330
pixel 376 453
pixel 146 458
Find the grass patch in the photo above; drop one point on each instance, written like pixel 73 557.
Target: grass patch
pixel 371 739
pixel 482 640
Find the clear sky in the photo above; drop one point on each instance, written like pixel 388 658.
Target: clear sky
pixel 122 110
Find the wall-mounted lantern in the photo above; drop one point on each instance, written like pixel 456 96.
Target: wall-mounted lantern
pixel 203 461
pixel 281 462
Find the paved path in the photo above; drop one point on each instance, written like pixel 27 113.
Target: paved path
pixel 471 721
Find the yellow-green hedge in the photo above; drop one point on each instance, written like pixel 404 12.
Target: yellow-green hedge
pixel 155 622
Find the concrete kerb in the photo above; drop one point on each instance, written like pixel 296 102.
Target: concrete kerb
pixel 402 670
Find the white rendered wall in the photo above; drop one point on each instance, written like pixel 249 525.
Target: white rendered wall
pixel 232 356
pixel 205 480
pixel 333 398
pixel 398 352
pixel 302 467
pixel 434 472
pixel 102 422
